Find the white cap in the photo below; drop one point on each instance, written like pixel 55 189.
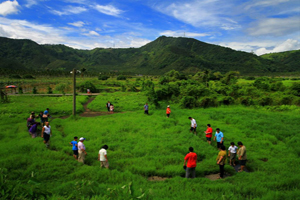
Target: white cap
pixel 168 106
pixel 82 138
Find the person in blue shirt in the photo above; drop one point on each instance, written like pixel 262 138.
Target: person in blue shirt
pixel 220 138
pixel 146 108
pixel 75 147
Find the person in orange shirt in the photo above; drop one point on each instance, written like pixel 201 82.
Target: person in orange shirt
pixel 168 111
pixel 208 133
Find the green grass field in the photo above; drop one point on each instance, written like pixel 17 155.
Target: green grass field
pixel 141 146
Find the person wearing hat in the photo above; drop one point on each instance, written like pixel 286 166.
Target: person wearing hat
pixel 81 150
pixel 168 111
pixel 191 160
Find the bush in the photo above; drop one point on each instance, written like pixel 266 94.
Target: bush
pixel 34 90
pixel 246 101
pixel 61 87
pixel 287 100
pixel 28 76
pixel 206 102
pixel 49 90
pixel 188 102
pixel 265 101
pixel 103 77
pixel 121 77
pixel 15 76
pixel 249 78
pixel 87 85
pixel 226 100
pixel 20 90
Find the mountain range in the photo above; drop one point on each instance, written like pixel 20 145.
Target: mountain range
pixel 186 55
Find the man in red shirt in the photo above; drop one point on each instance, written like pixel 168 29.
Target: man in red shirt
pixel 208 133
pixel 191 160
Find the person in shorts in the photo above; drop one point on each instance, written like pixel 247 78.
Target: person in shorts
pixel 74 144
pixel 242 156
pixel 232 153
pixel 102 157
pixel 208 133
pixel 191 160
pixel 193 125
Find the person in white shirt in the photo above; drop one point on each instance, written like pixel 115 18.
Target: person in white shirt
pixel 232 153
pixel 193 125
pixel 46 133
pixel 81 150
pixel 102 157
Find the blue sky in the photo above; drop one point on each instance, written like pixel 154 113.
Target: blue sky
pixel 259 26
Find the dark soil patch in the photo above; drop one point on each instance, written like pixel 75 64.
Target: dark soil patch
pixel 214 177
pixel 157 178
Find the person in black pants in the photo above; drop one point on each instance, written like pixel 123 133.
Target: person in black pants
pixel 221 160
pixel 108 106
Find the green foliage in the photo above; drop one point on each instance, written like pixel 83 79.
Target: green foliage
pixel 62 87
pixel 28 76
pixel 20 90
pixel 121 77
pixel 14 76
pixel 34 90
pixel 87 85
pixel 188 102
pixel 49 90
pixel 103 77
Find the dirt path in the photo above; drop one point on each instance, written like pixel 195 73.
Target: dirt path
pixel 88 113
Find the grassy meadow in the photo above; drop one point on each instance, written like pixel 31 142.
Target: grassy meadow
pixel 142 146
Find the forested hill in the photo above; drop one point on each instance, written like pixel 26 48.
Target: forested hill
pixel 290 59
pixel 157 57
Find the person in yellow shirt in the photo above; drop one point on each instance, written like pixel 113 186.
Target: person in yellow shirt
pixel 242 155
pixel 221 160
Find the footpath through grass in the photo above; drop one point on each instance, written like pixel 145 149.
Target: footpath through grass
pixel 141 146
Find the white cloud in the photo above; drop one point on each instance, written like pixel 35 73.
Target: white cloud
pixel 275 27
pixel 70 10
pixel 264 3
pixel 91 33
pixel 183 34
pixel 108 10
pixel 9 7
pixel 206 13
pixel 77 24
pixel 287 45
pixel 31 3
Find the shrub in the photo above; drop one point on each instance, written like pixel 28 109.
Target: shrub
pixel 28 76
pixel 20 90
pixel 61 87
pixel 206 102
pixel 265 101
pixel 103 77
pixel 295 88
pixel 49 90
pixel 246 101
pixel 188 102
pixel 287 99
pixel 249 78
pixel 15 76
pixel 34 90
pixel 226 100
pixel 121 77
pixel 87 85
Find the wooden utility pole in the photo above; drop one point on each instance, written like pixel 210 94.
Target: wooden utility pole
pixel 74 92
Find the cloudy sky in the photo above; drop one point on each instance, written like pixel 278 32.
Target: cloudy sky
pixel 259 26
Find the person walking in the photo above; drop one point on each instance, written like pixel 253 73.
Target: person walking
pixel 108 106
pixel 102 157
pixel 193 125
pixel 232 153
pixel 208 133
pixel 242 156
pixel 46 115
pixel 168 111
pixel 146 108
pixel 32 130
pixel 46 133
pixel 220 138
pixel 81 150
pixel 221 160
pixel 190 161
pixel 74 145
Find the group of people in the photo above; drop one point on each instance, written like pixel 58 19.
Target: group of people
pixel 146 110
pixel 79 152
pixel 32 125
pixel 190 160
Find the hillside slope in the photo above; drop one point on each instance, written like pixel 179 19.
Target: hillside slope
pixel 157 57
